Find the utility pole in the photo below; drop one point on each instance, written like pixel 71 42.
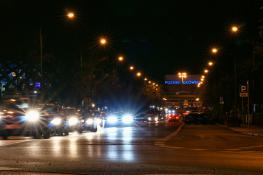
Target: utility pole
pixel 41 50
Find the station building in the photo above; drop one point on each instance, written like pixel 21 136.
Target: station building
pixel 181 92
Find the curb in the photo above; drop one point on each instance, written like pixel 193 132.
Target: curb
pixel 241 132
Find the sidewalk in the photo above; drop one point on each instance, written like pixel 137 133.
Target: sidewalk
pixel 253 131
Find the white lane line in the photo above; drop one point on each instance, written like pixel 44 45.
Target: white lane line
pixel 11 142
pixel 198 149
pixel 9 169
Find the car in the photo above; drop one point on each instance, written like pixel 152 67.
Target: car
pixel 58 123
pixel 119 119
pixel 173 117
pixel 198 118
pixel 73 118
pixel 19 118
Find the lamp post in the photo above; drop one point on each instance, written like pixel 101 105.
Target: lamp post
pixel 182 75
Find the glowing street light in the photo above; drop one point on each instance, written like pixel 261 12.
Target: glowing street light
pixel 202 76
pixel 120 58
pixel 145 79
pixel 138 74
pixel 131 68
pixel 206 71
pixel 71 15
pixel 214 50
pixel 182 75
pixel 234 29
pixel 197 99
pixel 210 63
pixel 103 41
pixel 149 82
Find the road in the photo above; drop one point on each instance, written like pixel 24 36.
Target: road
pixel 196 149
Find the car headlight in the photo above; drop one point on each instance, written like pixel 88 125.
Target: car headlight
pixel 72 121
pixel 56 121
pixel 98 121
pixel 89 121
pixel 149 118
pixel 112 119
pixel 32 116
pixel 127 118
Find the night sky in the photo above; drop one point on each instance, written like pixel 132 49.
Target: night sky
pixel 160 37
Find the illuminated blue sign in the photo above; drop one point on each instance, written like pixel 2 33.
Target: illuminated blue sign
pixel 177 82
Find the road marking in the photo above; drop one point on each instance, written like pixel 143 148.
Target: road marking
pixel 9 169
pixel 11 142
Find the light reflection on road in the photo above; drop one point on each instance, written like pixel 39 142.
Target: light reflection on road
pixel 113 144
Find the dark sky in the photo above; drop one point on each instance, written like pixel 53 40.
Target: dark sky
pixel 159 36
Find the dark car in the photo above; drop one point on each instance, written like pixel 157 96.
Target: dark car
pixel 198 118
pixel 58 123
pixel 19 118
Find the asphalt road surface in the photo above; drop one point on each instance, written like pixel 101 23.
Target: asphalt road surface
pixel 155 149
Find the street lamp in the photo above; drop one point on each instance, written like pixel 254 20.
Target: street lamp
pixel 214 50
pixel 145 79
pixel 206 71
pixel 210 63
pixel 71 15
pixel 182 75
pixel 138 74
pixel 120 58
pixel 103 41
pixel 202 76
pixel 131 68
pixel 234 29
pixel 149 82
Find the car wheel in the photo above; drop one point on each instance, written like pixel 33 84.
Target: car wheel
pixel 46 134
pixel 36 135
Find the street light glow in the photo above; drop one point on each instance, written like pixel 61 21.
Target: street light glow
pixel 149 82
pixel 182 74
pixel 131 68
pixel 71 15
pixel 206 71
pixel 214 50
pixel 103 41
pixel 210 63
pixel 145 79
pixel 138 74
pixel 234 29
pixel 120 58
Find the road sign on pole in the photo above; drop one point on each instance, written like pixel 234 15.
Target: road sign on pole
pixel 243 91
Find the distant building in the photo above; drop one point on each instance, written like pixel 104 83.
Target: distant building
pixel 181 92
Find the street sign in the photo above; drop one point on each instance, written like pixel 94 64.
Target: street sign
pixel 243 94
pixel 243 91
pixel 243 88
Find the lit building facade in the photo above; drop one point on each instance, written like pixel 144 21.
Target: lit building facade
pixel 182 91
